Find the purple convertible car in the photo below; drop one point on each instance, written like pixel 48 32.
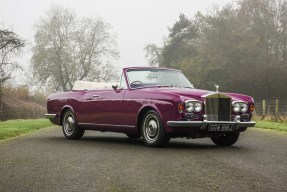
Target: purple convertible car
pixel 153 103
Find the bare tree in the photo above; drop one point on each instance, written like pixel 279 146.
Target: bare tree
pixel 10 45
pixel 68 48
pixel 109 73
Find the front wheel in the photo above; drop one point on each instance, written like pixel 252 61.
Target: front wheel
pixel 70 127
pixel 153 131
pixel 227 139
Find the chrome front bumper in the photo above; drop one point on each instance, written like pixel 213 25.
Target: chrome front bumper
pixel 203 124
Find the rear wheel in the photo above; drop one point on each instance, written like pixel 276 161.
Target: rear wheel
pixel 70 127
pixel 227 139
pixel 153 131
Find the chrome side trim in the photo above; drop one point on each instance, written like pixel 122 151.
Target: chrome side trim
pixel 192 100
pixel 238 101
pixel 106 125
pixel 50 116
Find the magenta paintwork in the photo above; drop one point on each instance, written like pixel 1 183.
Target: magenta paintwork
pixel 121 110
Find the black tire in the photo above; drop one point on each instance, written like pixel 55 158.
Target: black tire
pixel 227 139
pixel 133 136
pixel 70 127
pixel 152 130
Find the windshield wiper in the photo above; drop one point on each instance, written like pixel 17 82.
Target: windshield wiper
pixel 163 85
pixel 181 86
pixel 188 87
pixel 171 86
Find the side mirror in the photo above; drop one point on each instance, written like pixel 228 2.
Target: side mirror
pixel 115 87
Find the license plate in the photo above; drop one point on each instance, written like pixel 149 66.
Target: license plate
pixel 221 127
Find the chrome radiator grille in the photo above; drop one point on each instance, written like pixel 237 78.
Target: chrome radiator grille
pixel 218 109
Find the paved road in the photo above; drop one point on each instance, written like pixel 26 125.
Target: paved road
pixel 46 161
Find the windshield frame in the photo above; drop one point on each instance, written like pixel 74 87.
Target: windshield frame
pixel 150 69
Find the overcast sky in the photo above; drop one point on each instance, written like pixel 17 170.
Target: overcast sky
pixel 135 22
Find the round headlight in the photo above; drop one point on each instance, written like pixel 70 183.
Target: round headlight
pixel 236 107
pixel 197 107
pixel 189 106
pixel 244 107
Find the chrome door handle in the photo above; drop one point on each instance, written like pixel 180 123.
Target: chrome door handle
pixel 92 97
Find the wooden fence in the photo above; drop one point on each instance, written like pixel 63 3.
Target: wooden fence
pixel 271 108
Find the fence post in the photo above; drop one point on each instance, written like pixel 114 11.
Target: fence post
pixel 1 93
pixel 276 109
pixel 263 108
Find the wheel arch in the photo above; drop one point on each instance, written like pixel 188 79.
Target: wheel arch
pixel 64 109
pixel 141 114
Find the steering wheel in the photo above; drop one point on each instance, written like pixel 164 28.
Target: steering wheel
pixel 136 82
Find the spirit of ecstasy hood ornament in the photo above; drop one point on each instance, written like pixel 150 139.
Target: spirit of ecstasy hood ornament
pixel 216 87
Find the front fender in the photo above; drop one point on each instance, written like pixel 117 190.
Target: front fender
pixel 166 111
pixel 64 108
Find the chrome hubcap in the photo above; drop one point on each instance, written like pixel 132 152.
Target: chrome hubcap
pixel 151 128
pixel 69 124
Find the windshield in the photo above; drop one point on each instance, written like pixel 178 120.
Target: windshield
pixel 156 78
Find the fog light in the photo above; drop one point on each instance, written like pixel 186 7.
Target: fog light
pixel 189 116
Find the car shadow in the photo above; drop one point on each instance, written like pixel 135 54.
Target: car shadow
pixel 125 141
pixel 173 144
pixel 113 140
pixel 192 144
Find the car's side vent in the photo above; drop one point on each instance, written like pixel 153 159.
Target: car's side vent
pixel 218 109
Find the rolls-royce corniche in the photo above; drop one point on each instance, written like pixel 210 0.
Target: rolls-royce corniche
pixel 154 103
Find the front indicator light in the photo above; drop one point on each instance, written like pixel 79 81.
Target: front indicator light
pixel 252 108
pixel 180 108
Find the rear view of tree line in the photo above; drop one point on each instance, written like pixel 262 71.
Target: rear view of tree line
pixel 68 48
pixel 242 47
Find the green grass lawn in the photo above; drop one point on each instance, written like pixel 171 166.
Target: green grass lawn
pixel 17 127
pixel 281 126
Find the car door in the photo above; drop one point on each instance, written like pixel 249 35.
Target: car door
pixel 104 107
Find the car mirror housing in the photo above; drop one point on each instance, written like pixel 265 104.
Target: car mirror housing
pixel 115 87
